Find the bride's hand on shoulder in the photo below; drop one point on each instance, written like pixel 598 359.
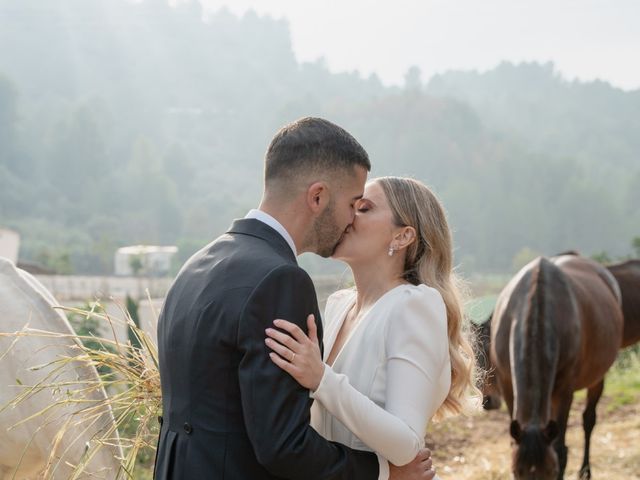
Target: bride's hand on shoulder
pixel 296 353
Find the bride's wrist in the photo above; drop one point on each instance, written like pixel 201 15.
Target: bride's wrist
pixel 319 377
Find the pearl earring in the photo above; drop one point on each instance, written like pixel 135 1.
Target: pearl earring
pixel 391 250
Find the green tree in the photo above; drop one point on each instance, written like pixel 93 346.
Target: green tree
pixel 135 262
pixel 149 197
pixel 8 111
pixel 86 325
pixel 179 167
pixel 9 154
pixel 57 260
pixel 102 154
pixel 413 79
pixel 601 257
pixel 77 156
pixel 132 308
pixel 635 243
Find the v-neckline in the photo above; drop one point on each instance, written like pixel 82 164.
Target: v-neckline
pixel 362 320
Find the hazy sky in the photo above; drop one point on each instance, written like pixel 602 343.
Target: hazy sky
pixel 586 39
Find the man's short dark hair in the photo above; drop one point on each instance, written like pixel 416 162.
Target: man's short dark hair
pixel 312 144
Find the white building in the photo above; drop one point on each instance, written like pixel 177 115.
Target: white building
pixel 151 260
pixel 9 244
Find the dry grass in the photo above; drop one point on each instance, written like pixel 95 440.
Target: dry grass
pixel 479 448
pixel 129 374
pixel 476 448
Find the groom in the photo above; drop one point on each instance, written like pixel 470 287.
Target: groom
pixel 229 412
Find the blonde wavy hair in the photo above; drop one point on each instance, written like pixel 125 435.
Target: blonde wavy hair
pixel 429 260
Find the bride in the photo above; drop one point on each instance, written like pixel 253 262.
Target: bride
pixel 396 354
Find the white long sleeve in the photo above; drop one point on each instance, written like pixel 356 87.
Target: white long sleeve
pixel 416 348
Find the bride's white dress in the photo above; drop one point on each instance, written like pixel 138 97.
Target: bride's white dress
pixel 391 375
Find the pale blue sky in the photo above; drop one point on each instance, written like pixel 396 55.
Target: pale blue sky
pixel 586 39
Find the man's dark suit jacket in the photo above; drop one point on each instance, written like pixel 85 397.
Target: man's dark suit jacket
pixel 228 411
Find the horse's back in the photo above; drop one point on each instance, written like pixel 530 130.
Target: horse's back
pixel 591 277
pixel 597 295
pixel 627 274
pixel 600 302
pixel 539 284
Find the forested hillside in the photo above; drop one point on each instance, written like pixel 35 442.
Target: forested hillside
pixel 127 123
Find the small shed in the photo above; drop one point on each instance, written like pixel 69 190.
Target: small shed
pixel 150 260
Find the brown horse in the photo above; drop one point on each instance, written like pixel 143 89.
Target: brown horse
pixel 557 328
pixel 628 276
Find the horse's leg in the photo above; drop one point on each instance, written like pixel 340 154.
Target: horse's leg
pixel 560 447
pixel 507 395
pixel 588 422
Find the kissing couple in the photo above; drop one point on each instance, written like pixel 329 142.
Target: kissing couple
pixel 256 385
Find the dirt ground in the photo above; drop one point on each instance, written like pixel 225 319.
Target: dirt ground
pixel 479 448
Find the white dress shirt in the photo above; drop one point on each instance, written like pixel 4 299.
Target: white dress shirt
pixel 391 375
pixel 273 223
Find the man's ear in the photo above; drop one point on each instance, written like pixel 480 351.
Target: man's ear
pixel 405 237
pixel 317 196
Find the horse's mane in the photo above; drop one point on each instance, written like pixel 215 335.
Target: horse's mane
pixel 541 281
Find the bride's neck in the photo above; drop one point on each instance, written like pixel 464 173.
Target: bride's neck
pixel 372 281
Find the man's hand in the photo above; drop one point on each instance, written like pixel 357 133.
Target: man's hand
pixel 420 468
